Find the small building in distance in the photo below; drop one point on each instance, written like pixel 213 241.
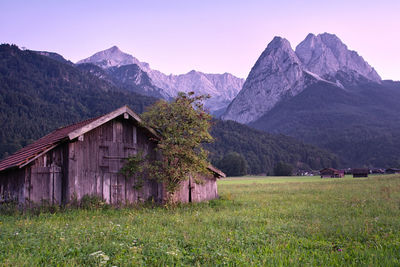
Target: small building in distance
pixel 377 171
pixel 85 159
pixel 304 173
pixel 331 173
pixel 392 171
pixel 360 173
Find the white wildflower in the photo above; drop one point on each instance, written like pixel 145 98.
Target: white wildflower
pixel 100 254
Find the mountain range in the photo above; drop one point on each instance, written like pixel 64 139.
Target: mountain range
pixel 42 91
pixel 324 94
pixel 128 71
pixel 320 93
pixel 281 73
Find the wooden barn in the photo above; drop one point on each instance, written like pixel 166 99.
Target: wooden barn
pixel 331 173
pixel 85 159
pixel 360 173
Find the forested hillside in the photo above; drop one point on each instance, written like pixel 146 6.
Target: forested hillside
pixel 263 151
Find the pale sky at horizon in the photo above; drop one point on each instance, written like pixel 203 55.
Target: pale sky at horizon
pixel 209 36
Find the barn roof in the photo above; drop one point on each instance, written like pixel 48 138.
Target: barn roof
pixel 216 171
pixel 29 153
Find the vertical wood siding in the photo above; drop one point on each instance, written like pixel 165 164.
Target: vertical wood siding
pixel 12 186
pixel 94 163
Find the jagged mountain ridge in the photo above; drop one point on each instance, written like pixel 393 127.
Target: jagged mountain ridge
pixel 129 77
pixel 281 73
pixel 326 55
pixel 221 87
pixel 276 75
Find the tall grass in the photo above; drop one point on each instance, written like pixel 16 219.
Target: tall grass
pixel 287 222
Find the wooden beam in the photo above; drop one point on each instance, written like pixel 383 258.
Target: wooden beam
pixel 108 117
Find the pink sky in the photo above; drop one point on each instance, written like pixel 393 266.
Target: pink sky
pixel 210 36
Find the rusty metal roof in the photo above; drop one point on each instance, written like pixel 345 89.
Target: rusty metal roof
pixel 46 142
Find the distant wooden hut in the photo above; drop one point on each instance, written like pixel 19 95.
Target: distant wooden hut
pixel 392 171
pixel 85 159
pixel 360 173
pixel 331 173
pixel 377 171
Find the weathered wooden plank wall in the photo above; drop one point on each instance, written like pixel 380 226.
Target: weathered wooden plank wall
pixel 12 186
pixel 206 191
pixel 37 182
pixel 94 163
pixel 44 177
pixel 198 192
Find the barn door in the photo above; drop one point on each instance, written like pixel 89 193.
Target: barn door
pixel 112 157
pixel 55 185
pixel 46 185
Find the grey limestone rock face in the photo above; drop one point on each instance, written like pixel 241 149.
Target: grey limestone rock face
pixel 325 55
pixel 280 73
pixel 112 57
pixel 277 74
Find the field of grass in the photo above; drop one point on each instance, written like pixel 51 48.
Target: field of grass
pixel 258 221
pixel 279 179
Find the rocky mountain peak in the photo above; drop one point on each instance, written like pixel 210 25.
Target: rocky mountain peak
pixel 326 55
pixel 277 56
pixel 279 42
pixel 114 49
pixel 276 75
pixel 113 57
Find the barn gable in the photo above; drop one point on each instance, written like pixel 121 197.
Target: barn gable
pixel 44 144
pixel 85 159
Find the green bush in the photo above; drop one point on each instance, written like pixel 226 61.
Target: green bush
pixel 283 169
pixel 91 202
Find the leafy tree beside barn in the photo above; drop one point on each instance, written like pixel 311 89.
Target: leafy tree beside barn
pixel 183 126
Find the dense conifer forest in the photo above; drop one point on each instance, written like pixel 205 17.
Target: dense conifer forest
pixel 263 151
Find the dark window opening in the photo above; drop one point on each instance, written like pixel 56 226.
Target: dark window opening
pixel 190 190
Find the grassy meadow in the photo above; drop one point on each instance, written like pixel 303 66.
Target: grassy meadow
pixel 258 221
